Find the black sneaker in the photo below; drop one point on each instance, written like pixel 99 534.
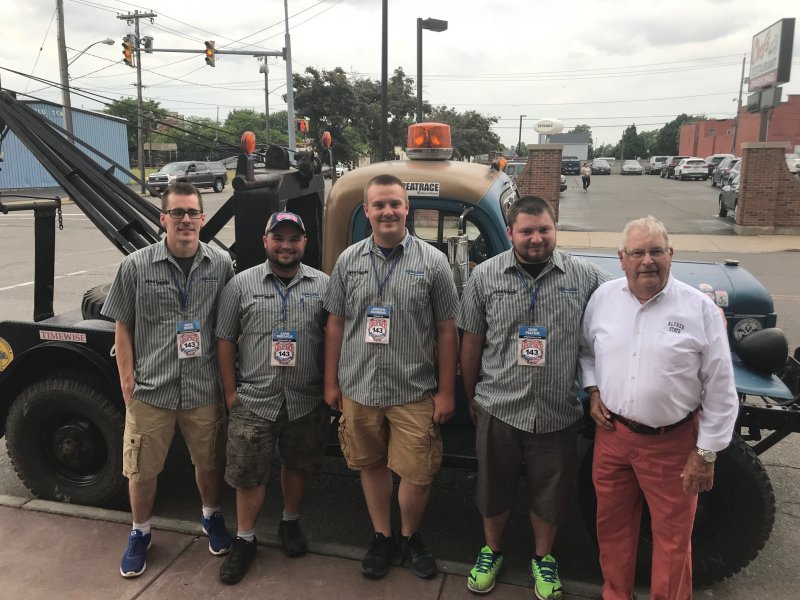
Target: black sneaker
pixel 293 541
pixel 379 556
pixel 422 563
pixel 237 562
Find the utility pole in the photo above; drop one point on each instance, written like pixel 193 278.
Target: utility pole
pixel 738 109
pixel 264 68
pixel 289 82
pixel 384 80
pixel 62 66
pixel 134 18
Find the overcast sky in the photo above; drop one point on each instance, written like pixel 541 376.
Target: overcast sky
pixel 606 63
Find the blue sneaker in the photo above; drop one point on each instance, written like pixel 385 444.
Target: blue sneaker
pixel 134 561
pixel 219 540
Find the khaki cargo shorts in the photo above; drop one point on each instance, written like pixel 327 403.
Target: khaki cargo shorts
pixel 149 431
pixel 404 438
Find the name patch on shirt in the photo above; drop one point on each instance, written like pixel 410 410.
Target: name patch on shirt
pixel 568 290
pixel 415 272
pixel 675 327
pixel 156 282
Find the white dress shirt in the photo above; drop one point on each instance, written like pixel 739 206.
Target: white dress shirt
pixel 656 362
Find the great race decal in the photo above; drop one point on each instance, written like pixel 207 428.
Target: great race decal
pixel 6 354
pixel 422 189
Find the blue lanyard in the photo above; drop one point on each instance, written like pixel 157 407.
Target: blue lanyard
pixel 185 295
pixel 382 285
pixel 284 298
pixel 533 294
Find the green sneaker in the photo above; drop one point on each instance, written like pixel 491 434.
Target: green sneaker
pixel 546 584
pixel 481 577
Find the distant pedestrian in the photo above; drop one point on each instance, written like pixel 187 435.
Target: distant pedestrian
pixel 586 176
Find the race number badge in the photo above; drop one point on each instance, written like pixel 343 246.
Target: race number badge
pixel 189 339
pixel 532 346
pixel 283 351
pixel 378 319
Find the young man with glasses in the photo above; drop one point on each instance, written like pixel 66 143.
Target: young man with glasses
pixel 657 367
pixel 164 300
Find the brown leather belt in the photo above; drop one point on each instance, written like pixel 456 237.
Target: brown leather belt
pixel 646 429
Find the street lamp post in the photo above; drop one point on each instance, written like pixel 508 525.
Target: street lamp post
pixel 519 141
pixel 65 95
pixel 431 25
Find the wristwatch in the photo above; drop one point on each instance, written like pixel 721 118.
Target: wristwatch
pixel 707 455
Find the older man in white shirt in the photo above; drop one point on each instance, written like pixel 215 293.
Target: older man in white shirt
pixel 656 363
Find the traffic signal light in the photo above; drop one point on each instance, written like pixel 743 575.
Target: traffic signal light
pixel 211 56
pixel 303 125
pixel 127 50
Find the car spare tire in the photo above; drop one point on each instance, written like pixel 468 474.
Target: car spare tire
pixel 733 521
pixel 93 301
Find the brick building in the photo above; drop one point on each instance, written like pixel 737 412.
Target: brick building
pixel 715 136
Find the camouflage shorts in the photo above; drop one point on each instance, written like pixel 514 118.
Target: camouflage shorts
pixel 252 441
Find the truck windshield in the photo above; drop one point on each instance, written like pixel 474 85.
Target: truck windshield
pixel 174 168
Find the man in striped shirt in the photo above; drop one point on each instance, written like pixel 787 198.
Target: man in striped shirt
pixel 521 314
pixel 274 313
pixel 391 302
pixel 164 300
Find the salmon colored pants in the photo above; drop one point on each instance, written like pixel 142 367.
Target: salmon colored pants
pixel 629 467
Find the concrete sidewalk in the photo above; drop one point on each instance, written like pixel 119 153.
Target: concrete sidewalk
pixel 53 550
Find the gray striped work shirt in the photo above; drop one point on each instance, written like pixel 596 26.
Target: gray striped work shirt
pixel 144 294
pixel 249 309
pixel 494 305
pixel 420 292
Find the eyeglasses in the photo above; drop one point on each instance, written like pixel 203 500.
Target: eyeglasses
pixel 655 253
pixel 179 213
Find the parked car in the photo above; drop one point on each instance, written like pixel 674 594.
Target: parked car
pixel 793 163
pixel 631 167
pixel 736 169
pixel 668 170
pixel 570 167
pixel 600 167
pixel 653 166
pixel 720 173
pixel 729 197
pixel 609 159
pixel 514 169
pixel 713 160
pixel 691 168
pixel 201 174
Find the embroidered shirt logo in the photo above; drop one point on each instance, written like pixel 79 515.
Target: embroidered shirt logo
pixel 675 327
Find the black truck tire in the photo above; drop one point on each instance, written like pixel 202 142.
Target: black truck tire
pixel 733 521
pixel 64 439
pixel 219 184
pixel 93 301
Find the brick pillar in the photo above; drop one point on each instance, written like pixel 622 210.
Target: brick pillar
pixel 769 195
pixel 542 174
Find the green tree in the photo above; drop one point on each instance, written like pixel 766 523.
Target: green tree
pixel 631 144
pixel 586 129
pixel 649 139
pixel 470 131
pixel 669 135
pixel 240 120
pixel 127 108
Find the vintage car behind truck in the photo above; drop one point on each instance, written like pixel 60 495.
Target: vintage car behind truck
pixel 61 409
